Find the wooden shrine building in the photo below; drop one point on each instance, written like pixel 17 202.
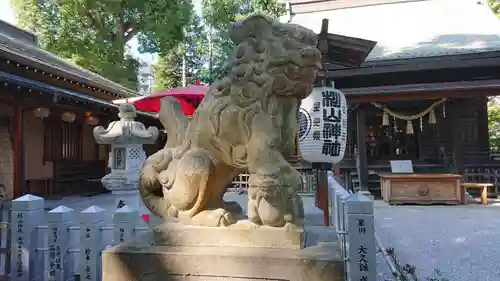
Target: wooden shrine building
pixel 422 92
pixel 48 109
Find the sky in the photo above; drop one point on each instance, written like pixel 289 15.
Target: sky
pixel 7 15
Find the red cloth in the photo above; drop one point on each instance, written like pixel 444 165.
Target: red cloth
pixel 189 97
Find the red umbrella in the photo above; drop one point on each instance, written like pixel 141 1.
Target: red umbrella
pixel 189 97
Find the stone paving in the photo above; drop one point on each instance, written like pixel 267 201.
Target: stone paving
pixel 462 241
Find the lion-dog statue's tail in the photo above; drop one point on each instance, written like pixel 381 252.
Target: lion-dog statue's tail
pixel 175 123
pixel 173 120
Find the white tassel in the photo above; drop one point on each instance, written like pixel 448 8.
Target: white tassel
pixel 385 119
pixel 395 125
pixel 444 111
pixel 432 117
pixel 409 128
pixel 421 125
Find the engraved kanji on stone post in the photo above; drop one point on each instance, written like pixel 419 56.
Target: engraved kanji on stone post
pixel 361 238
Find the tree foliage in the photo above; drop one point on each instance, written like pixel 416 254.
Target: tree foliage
pixel 494 124
pixel 208 46
pixel 218 14
pixel 94 33
pixel 493 104
pixel 495 6
pixel 168 68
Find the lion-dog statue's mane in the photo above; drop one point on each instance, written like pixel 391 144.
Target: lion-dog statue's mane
pixel 247 122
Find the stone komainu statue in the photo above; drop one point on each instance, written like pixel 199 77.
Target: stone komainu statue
pixel 246 122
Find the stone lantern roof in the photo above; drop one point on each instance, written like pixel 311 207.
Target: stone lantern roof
pixel 126 130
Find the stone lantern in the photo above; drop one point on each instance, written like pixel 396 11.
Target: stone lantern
pixel 127 155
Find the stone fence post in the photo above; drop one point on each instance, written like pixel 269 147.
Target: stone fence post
pixel 58 222
pixel 27 213
pixel 124 220
pixel 5 244
pixel 361 264
pixel 92 220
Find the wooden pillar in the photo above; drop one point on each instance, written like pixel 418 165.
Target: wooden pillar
pixel 336 170
pixel 453 110
pixel 96 151
pixel 483 131
pixel 321 170
pixel 18 151
pixel 361 160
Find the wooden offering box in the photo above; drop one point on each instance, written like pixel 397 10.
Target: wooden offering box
pixel 421 188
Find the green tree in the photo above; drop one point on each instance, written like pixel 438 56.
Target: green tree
pixel 494 124
pixel 218 14
pixel 495 6
pixel 94 33
pixel 493 105
pixel 168 69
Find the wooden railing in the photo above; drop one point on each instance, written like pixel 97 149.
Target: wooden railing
pixel 350 151
pixel 346 177
pixel 240 182
pixel 484 173
pixel 478 167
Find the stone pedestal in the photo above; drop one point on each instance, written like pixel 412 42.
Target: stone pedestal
pixel 130 198
pixel 177 252
pixel 242 234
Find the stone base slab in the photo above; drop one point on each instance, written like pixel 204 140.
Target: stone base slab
pixel 242 234
pixel 140 260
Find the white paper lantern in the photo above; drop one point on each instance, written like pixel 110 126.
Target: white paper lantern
pixel 68 117
pixel 41 112
pixel 92 120
pixel 323 126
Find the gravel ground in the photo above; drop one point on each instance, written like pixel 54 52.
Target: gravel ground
pixel 461 241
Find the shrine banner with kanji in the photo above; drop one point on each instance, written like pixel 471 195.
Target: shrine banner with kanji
pixel 323 126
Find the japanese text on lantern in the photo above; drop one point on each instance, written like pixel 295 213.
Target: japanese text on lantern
pixel 54 253
pixel 20 245
pixel 362 252
pixel 332 123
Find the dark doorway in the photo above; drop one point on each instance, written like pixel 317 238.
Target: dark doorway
pixel 392 142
